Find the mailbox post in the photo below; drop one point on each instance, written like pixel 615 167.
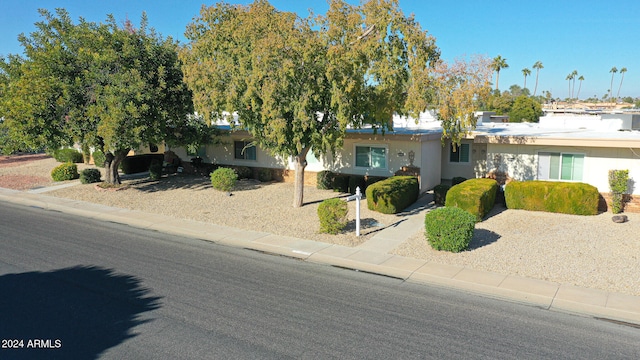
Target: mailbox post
pixel 357 197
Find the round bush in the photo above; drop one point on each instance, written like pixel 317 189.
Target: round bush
pixel 66 171
pixel 449 228
pixel 324 180
pixel 88 176
pixel 224 179
pixel 155 169
pixel 243 172
pixel 98 158
pixel 68 155
pixel 458 180
pixel 333 215
pixel 265 175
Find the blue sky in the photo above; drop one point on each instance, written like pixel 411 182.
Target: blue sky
pixel 588 36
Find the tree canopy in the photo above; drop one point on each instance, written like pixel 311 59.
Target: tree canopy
pixel 103 85
pixel 296 84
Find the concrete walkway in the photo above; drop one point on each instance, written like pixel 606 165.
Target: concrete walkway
pixel 372 256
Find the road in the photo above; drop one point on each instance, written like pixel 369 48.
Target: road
pixel 87 289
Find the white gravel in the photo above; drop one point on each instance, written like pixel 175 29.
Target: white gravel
pixel 587 251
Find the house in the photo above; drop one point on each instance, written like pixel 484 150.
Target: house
pixel 563 146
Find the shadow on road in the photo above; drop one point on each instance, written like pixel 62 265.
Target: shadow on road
pixel 79 312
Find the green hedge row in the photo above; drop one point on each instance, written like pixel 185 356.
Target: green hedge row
pixel 392 195
pixel 327 180
pixel 139 163
pixel 68 155
pixel 476 196
pixel 553 196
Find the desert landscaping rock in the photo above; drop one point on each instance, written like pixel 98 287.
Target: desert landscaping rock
pixel 619 219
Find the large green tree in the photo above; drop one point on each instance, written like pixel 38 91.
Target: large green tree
pixel 297 84
pixel 525 109
pixel 114 87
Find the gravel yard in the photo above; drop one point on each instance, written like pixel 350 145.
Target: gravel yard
pixel 588 251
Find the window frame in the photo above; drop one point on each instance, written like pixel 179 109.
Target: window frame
pixel 245 151
pixel 370 146
pixel 560 162
pixel 459 152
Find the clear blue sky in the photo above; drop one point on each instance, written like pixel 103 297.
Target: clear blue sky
pixel 588 36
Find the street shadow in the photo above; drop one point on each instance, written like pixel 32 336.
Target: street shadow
pixel 496 210
pixel 188 182
pixel 368 225
pixel 482 237
pixel 82 310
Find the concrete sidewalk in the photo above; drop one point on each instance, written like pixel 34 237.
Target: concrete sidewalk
pixel 372 256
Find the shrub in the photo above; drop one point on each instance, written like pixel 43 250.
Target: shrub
pixel 552 196
pixel 333 215
pixel 68 155
pixel 98 158
pixel 224 179
pixel 341 183
pixel 392 195
pixel 139 163
pixel 88 176
pixel 357 181
pixel 265 175
pixel 458 180
pixel 66 171
pixel 324 180
pixel 449 228
pixel 476 196
pixel 372 180
pixel 243 172
pixel 618 180
pixel 155 169
pixel 440 194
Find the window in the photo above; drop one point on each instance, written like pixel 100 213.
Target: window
pixel 461 155
pixel 560 166
pixel 371 157
pixel 244 150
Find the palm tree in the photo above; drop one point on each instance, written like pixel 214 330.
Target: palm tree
pixel 569 77
pixel 537 66
pixel 613 71
pixel 574 73
pixel 498 64
pixel 526 72
pixel 622 71
pixel 581 78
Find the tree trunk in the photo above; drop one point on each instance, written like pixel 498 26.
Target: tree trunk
pixel 300 162
pixel 111 164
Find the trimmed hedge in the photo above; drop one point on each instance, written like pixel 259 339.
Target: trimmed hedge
pixel 265 175
pixel 458 180
pixel 393 195
pixel 139 163
pixel 324 180
pixel 440 193
pixel 553 196
pixel 88 176
pixel 341 183
pixel 476 196
pixel 449 228
pixel 357 181
pixel 66 171
pixel 333 215
pixel 68 155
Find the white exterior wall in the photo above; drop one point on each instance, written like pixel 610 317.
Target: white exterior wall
pixel 521 162
pixel 452 169
pixel 430 169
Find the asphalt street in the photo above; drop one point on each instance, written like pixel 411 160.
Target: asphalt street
pixel 72 287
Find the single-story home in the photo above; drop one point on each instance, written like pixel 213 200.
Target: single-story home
pixel 562 146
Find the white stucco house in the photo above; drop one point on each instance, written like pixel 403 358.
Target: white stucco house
pixel 562 146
